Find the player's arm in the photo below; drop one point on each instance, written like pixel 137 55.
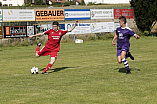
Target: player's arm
pixel 115 37
pixel 136 36
pixel 76 22
pixel 39 34
pixel 132 33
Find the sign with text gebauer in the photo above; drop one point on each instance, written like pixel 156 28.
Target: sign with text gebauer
pixel 77 14
pixel 102 14
pixel 128 13
pixel 49 14
pixel 18 15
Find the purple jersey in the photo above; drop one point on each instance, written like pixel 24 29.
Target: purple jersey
pixel 123 35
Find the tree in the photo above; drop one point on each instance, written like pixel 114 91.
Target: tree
pixel 39 2
pixel 0 3
pixel 82 2
pixel 28 3
pixel 145 13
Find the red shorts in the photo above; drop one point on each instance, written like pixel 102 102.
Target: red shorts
pixel 45 51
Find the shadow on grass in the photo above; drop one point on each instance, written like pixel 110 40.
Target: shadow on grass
pixel 58 69
pixel 123 70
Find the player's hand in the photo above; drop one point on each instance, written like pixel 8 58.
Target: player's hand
pixel 30 36
pixel 76 22
pixel 113 43
pixel 137 36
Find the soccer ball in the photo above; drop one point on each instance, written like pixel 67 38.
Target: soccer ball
pixel 34 70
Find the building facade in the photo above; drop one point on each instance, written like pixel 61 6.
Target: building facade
pixel 95 1
pixel 33 1
pixel 58 1
pixel 108 1
pixel 19 2
pixel 12 2
pixel 22 2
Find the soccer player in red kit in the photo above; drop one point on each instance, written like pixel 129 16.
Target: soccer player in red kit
pixel 53 44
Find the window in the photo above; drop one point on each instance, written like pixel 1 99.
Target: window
pixel 10 4
pixel 32 1
pixel 5 4
pixel 4 0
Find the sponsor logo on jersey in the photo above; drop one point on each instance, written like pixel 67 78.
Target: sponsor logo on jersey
pixel 121 36
pixel 56 37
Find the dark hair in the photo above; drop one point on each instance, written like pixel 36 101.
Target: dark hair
pixel 55 23
pixel 122 18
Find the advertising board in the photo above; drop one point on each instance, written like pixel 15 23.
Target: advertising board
pixel 49 14
pixel 12 15
pixel 128 13
pixel 14 31
pixel 77 14
pixel 102 14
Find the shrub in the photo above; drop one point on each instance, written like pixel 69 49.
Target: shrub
pixel 25 43
pixel 105 36
pixel 66 3
pixel 146 33
pixel 145 13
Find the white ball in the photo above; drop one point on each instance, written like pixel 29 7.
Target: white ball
pixel 34 70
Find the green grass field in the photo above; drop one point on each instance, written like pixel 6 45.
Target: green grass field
pixel 85 73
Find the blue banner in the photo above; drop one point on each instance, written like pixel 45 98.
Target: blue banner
pixel 77 14
pixel 62 26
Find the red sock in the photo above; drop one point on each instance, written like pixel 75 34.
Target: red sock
pixel 48 67
pixel 37 49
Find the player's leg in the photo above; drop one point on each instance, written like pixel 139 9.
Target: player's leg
pixel 119 55
pixel 53 59
pixel 123 54
pixel 37 49
pixel 119 59
pixel 53 56
pixel 130 55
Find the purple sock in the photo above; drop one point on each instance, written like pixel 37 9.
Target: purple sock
pixel 126 64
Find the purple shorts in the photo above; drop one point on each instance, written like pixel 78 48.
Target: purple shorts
pixel 122 48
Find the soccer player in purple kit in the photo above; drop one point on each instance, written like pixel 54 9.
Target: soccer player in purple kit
pixel 123 35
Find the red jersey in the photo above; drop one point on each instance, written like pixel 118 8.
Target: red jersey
pixel 54 38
